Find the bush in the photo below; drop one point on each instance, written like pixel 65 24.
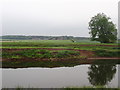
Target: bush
pixel 104 53
pixel 62 54
pixel 33 53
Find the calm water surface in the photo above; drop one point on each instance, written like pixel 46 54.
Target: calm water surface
pixel 81 75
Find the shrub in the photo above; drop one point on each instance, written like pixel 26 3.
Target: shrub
pixel 27 53
pixel 62 54
pixel 104 53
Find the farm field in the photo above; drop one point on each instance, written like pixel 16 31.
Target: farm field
pixel 56 53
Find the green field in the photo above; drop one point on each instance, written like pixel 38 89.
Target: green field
pixel 55 44
pixel 25 53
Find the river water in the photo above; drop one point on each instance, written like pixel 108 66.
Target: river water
pixel 77 76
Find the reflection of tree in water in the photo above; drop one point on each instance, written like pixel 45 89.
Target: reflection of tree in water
pixel 101 74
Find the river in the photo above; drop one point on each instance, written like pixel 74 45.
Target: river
pixel 77 76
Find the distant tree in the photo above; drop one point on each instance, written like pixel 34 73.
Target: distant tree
pixel 102 29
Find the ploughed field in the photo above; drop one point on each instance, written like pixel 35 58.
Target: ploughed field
pixel 55 53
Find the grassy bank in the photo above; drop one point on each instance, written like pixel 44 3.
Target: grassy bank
pixel 52 64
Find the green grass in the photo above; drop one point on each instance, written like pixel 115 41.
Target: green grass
pixel 91 48
pixel 102 51
pixel 66 53
pixel 49 43
pixel 66 44
pixel 52 64
pixel 41 53
pixel 48 64
pixel 108 62
pixel 105 53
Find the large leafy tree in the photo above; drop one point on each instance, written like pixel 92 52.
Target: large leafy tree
pixel 102 29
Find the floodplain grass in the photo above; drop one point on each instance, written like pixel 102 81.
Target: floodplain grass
pixel 105 53
pixel 48 64
pixel 67 44
pixel 53 64
pixel 50 43
pixel 91 48
pixel 56 44
pixel 39 53
pixel 28 50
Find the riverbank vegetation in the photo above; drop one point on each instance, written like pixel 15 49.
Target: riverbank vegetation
pixel 38 53
pixel 55 53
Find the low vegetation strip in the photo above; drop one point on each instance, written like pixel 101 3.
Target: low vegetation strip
pixel 42 53
pixel 55 43
pixel 38 53
pixel 19 58
pixel 103 45
pixel 104 53
pixel 59 44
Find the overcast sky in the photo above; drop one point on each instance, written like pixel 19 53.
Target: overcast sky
pixel 53 17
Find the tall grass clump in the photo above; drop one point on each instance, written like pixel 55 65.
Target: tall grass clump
pixel 66 53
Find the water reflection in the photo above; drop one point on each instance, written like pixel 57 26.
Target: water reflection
pixel 101 74
pixel 60 77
